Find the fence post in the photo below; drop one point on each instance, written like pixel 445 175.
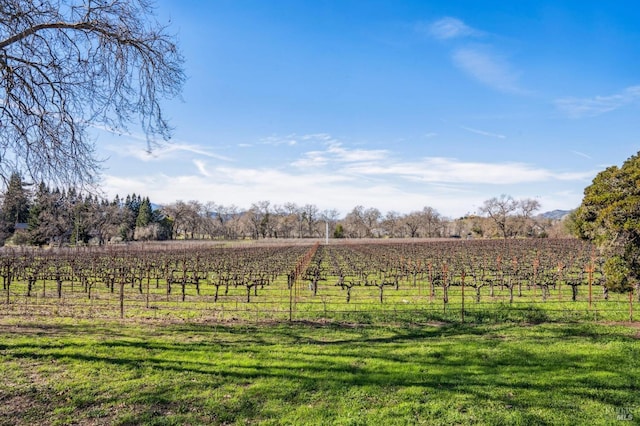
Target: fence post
pixel 291 301
pixel 590 270
pixel 462 283
pixel 121 298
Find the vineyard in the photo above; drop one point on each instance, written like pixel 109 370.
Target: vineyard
pixel 458 280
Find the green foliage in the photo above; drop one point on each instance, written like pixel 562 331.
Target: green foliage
pixel 617 273
pixel 610 216
pixel 339 231
pixel 70 217
pixel 144 214
pixel 15 203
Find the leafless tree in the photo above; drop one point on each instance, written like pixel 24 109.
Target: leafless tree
pixel 310 213
pixel 509 214
pixel 355 226
pixel 330 216
pixel 195 219
pixel 259 216
pixel 499 210
pixel 66 65
pixel 286 219
pixel 372 218
pixel 390 223
pixel 184 217
pixel 526 208
pixel 229 219
pixel 209 223
pixel 412 223
pixel 431 222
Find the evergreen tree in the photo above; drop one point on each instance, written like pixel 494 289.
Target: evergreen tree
pixel 81 209
pixel 144 214
pixel 37 236
pixel 610 216
pixel 131 211
pixel 15 206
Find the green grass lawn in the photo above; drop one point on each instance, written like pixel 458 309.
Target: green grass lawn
pixel 57 371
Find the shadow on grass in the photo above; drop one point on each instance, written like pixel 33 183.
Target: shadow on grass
pixel 511 366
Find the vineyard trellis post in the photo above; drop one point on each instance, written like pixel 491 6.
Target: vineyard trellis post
pixel 121 298
pixel 590 269
pixel 147 287
pixel 291 284
pixel 462 275
pixel 445 295
pixel 73 281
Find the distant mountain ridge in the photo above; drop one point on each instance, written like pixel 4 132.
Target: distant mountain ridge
pixel 556 214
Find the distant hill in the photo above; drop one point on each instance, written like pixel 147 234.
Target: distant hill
pixel 556 214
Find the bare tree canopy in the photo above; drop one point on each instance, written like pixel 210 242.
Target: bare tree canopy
pixel 69 64
pixel 510 215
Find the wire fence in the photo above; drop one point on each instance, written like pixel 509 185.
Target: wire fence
pixel 329 302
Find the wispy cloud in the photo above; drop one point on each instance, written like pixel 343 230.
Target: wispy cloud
pixel 597 105
pixel 480 62
pixel 341 160
pixel 336 153
pixel 279 140
pixel 483 65
pixel 582 154
pixel 447 184
pixel 340 176
pixel 449 28
pixel 138 146
pixel 450 170
pixel 483 133
pixel 165 151
pixel 202 168
pixel 294 139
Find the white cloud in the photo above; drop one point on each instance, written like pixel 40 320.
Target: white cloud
pixel 138 146
pixel 582 154
pixel 381 164
pixel 483 133
pixel 337 153
pixel 202 168
pixel 480 62
pixel 448 170
pixel 294 139
pixel 163 151
pixel 449 28
pixel 345 155
pixel 591 107
pixel 276 141
pixel 242 187
pixel 341 177
pixel 487 68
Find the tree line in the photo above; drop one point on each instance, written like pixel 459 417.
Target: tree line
pixel 53 216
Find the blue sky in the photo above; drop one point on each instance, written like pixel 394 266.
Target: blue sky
pixel 390 104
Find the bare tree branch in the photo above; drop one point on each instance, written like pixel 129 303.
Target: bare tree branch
pixel 66 65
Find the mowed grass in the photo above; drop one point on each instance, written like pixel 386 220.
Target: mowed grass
pixel 59 371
